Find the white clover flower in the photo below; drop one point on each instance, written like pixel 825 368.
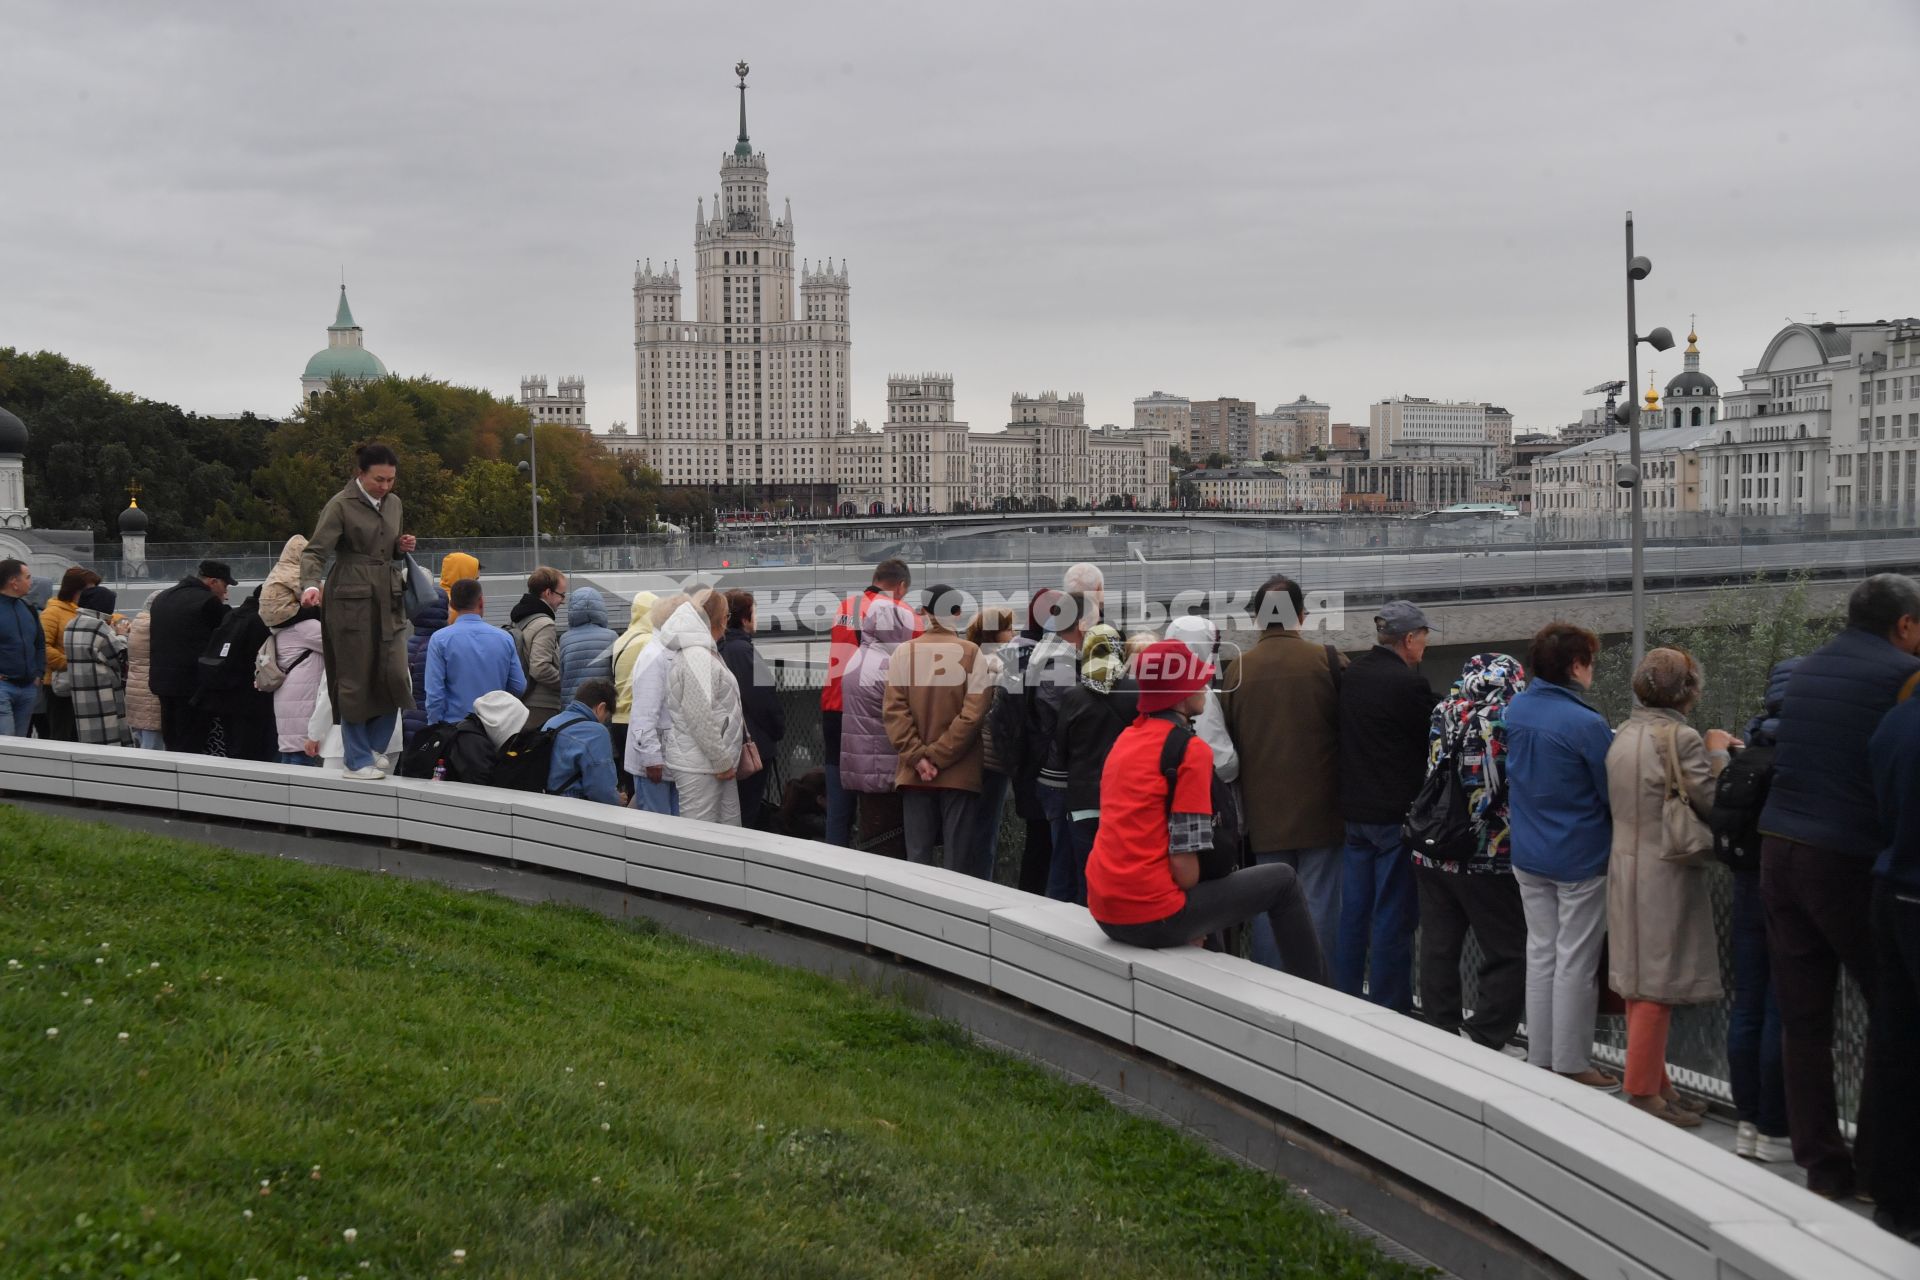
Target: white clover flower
pixel 124 1037
pixel 601 1083
pixel 604 1127
pixel 87 1001
pixel 99 959
pixel 13 964
pixel 247 1214
pixel 349 1235
pixel 53 1033
pixel 154 965
pixel 596 1179
pixel 459 1255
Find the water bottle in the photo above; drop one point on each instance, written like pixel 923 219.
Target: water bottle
pixel 440 769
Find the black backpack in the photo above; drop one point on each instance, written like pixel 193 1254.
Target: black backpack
pixel 1224 858
pixel 524 760
pixel 226 664
pixel 1738 797
pixel 1439 823
pixel 429 751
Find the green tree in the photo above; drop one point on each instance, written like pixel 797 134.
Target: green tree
pixel 489 501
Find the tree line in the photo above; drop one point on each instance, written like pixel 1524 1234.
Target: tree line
pixel 251 479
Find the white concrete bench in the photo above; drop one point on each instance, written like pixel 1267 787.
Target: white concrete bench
pixel 1590 1182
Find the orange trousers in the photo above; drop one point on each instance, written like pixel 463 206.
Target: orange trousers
pixel 1647 1027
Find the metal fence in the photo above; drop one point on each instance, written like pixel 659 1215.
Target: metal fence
pixel 1697 1044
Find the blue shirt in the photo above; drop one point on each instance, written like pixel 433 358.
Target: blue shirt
pixel 23 642
pixel 465 661
pixel 1895 754
pixel 1557 784
pixel 582 757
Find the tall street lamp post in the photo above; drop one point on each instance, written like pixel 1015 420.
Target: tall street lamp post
pixel 531 469
pixel 1628 415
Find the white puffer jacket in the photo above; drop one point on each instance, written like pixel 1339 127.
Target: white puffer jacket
pixel 703 699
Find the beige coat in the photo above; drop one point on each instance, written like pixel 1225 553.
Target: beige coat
pixel 1660 940
pixel 143 709
pixel 364 626
pixel 937 691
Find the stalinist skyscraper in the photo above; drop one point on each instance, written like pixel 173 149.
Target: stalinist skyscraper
pixel 754 390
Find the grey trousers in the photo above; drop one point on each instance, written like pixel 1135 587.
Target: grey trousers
pixel 1566 923
pixel 939 816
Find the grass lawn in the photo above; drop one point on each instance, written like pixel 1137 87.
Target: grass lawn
pixel 220 1065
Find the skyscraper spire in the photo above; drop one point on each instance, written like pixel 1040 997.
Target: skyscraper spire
pixel 742 147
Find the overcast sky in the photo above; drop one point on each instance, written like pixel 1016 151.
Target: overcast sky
pixel 1351 201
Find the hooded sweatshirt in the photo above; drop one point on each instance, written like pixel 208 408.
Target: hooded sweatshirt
pixel 703 701
pixel 1210 726
pixel 586 649
pixel 471 756
pixel 627 649
pixel 539 643
pixel 868 761
pixel 457 566
pixel 280 594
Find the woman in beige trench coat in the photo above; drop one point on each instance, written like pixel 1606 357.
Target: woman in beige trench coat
pixel 1662 950
pixel 363 624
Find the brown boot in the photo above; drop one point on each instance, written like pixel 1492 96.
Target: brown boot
pixel 1692 1106
pixel 1657 1107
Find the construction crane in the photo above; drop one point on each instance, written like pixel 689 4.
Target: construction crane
pixel 1611 390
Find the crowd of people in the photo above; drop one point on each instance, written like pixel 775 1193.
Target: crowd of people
pixel 1180 786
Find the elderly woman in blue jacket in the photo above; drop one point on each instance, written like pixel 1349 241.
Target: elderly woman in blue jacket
pixel 1562 826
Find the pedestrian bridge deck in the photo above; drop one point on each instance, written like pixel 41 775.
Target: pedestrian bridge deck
pixel 1594 1185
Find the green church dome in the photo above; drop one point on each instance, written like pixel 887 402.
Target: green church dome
pixel 354 363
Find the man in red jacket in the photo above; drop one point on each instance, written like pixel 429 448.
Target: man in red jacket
pixel 892 579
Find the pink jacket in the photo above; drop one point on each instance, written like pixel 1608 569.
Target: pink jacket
pixel 143 709
pixel 293 700
pixel 867 759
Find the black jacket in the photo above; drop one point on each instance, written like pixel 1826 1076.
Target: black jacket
pixel 1822 793
pixel 1085 730
pixel 759 700
pixel 185 616
pixel 1385 708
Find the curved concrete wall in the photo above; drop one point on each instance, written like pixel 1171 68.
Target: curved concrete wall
pixel 1590 1182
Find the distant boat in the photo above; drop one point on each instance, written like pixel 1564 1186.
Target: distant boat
pixel 1501 510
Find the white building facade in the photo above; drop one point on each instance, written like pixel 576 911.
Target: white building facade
pixel 1432 430
pixel 1824 425
pixel 751 390
pixel 1292 486
pixel 566 405
pixel 1167 412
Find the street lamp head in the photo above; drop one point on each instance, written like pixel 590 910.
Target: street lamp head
pixel 1625 476
pixel 1623 414
pixel 521 438
pixel 1639 268
pixel 521 467
pixel 1661 339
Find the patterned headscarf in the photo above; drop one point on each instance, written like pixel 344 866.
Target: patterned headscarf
pixel 1471 720
pixel 1101 662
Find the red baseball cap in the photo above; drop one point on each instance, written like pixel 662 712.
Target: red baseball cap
pixel 1167 672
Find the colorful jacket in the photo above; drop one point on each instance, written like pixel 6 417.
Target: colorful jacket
pixel 1472 718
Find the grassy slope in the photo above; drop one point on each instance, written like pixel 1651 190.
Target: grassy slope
pixel 549 1091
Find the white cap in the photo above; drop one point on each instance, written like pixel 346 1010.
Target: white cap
pixel 501 714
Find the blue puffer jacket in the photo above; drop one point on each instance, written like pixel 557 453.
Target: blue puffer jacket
pixel 1822 792
pixel 1557 801
pixel 1764 729
pixel 23 641
pixel 586 646
pixel 425 622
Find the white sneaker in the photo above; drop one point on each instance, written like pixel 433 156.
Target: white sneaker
pixel 367 773
pixel 1744 1138
pixel 1772 1150
pixel 381 763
